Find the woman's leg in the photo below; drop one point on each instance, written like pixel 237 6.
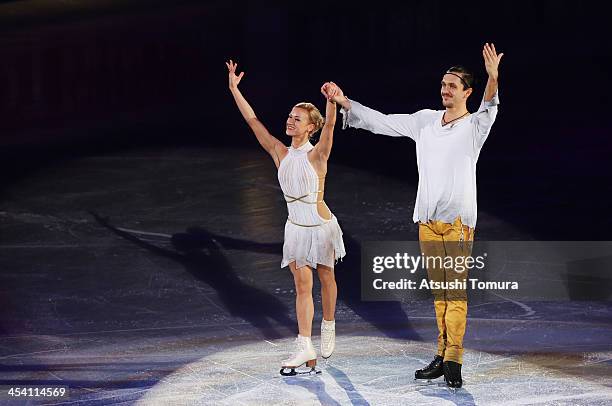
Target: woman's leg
pixel 304 308
pixel 329 291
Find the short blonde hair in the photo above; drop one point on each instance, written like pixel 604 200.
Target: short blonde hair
pixel 313 114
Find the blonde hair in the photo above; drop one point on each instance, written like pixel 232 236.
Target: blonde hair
pixel 314 115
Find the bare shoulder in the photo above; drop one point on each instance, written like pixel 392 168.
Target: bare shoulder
pixel 281 149
pixel 318 161
pixel 279 152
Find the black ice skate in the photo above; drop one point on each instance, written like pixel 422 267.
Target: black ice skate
pixel 432 371
pixel 452 374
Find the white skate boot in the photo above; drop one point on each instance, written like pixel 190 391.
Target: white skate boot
pixel 328 338
pixel 304 354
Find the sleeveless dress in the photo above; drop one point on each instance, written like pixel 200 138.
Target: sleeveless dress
pixel 309 238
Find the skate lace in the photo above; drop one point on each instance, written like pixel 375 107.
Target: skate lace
pixel 326 337
pixel 432 363
pixel 300 345
pixel 328 327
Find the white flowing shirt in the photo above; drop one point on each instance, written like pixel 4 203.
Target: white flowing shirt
pixel 446 155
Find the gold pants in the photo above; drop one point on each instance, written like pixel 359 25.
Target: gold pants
pixel 438 239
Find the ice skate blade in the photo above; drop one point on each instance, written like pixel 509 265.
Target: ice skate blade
pixel 293 372
pixel 428 382
pixel 452 389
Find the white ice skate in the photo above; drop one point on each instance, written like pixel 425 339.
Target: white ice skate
pixel 304 354
pixel 328 338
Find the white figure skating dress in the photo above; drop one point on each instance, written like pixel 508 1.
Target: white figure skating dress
pixel 309 238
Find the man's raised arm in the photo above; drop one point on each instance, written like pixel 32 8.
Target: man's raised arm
pixel 359 116
pixel 487 112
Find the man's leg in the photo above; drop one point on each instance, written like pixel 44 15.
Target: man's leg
pixel 458 240
pixel 432 246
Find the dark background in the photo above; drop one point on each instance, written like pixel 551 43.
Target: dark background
pixel 83 79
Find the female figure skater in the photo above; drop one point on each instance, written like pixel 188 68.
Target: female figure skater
pixel 313 238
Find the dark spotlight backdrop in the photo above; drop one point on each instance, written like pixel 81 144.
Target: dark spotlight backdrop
pixel 92 77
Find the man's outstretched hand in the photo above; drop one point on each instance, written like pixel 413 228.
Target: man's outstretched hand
pixel 491 60
pixel 333 93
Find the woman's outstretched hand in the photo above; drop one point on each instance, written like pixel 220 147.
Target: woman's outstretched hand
pixel 234 79
pixel 332 92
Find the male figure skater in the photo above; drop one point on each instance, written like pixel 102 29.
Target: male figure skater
pixel 448 144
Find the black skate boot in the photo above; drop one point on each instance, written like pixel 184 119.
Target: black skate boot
pixel 432 371
pixel 452 374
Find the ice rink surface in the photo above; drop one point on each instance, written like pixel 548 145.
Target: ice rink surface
pixel 152 277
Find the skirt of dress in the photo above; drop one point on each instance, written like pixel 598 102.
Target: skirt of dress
pixel 313 245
